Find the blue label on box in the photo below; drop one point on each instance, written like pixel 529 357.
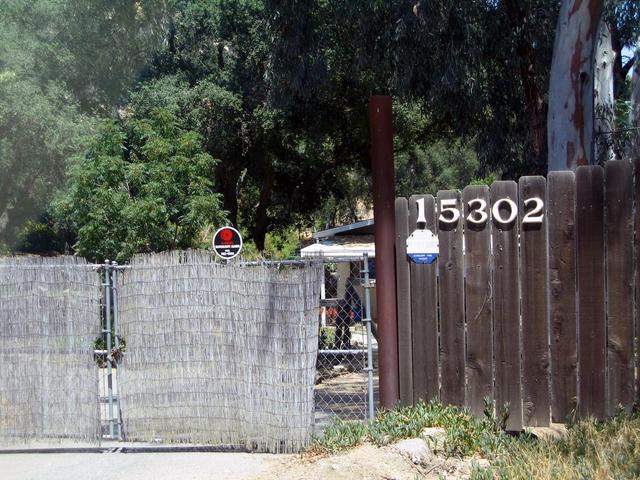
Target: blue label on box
pixel 423 258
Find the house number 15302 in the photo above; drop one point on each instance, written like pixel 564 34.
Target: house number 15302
pixel 504 211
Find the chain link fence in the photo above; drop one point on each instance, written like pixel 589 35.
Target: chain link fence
pixel 345 374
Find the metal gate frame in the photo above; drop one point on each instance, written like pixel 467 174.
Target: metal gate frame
pixel 111 354
pixel 343 405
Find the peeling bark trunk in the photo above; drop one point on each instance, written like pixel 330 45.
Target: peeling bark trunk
pixel 604 102
pixel 570 120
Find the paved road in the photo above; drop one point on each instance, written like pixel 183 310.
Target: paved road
pixel 137 466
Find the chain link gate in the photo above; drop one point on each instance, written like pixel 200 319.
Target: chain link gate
pixel 345 374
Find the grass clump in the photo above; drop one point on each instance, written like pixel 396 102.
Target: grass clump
pixel 466 435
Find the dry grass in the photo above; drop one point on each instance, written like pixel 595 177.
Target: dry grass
pixel 591 450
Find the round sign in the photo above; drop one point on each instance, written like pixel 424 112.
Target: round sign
pixel 227 242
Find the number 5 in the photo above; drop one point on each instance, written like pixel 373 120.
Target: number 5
pixel 449 206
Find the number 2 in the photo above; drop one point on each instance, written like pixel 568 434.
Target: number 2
pixel 535 215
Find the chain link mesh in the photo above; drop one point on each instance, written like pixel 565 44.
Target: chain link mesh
pixel 341 374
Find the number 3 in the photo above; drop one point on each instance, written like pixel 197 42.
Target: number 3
pixel 481 211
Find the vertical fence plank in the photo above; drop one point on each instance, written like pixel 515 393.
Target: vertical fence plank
pixel 403 290
pixel 478 301
pixel 591 288
pixel 450 270
pixel 619 242
pixel 535 320
pixel 506 306
pixel 636 313
pixel 424 312
pixel 562 288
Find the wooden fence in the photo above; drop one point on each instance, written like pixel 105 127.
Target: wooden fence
pixel 533 300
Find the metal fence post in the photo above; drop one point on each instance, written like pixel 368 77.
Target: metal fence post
pixel 116 331
pixel 107 332
pixel 367 320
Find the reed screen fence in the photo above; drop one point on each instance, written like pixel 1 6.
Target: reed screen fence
pixel 216 353
pixel 49 320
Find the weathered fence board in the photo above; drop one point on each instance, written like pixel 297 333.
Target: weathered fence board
pixel 591 290
pixel 506 307
pixel 424 312
pixel 562 293
pixel 619 241
pixel 535 303
pixel 451 291
pixel 535 320
pixel 405 357
pixel 478 297
pixel 636 312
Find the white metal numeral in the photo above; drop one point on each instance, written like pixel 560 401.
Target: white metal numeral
pixel 498 215
pixel 449 206
pixel 535 215
pixel 422 220
pixel 481 210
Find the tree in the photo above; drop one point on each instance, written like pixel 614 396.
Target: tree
pixel 145 185
pixel 62 64
pixel 604 101
pixel 571 105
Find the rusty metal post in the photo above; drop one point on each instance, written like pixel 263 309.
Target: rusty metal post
pixel 384 231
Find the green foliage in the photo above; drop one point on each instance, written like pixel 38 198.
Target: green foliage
pixel 61 64
pixel 145 185
pixel 278 92
pixel 327 338
pixel 340 436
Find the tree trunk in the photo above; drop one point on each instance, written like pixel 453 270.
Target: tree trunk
pixel 535 104
pixel 570 120
pixel 634 114
pixel 261 222
pixel 604 112
pixel 5 196
pixel 228 180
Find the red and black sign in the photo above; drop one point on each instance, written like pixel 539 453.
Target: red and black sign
pixel 227 242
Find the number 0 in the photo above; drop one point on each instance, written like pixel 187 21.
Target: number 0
pixel 513 209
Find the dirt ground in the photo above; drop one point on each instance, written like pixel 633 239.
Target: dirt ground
pixel 369 462
pixel 363 463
